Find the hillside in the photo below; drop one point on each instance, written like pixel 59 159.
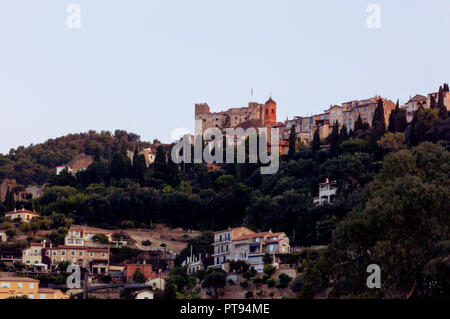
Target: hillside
pixel 35 164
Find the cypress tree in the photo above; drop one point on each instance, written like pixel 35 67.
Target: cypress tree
pixel 343 134
pixel 443 114
pixel 446 88
pixel 160 164
pixel 333 138
pixel 400 121
pixel 358 124
pixel 316 141
pixel 378 122
pixel 292 143
pixel 393 117
pixel 433 103
pixel 10 202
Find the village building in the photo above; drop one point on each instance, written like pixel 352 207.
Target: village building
pixel 193 263
pixel 423 101
pixel 84 236
pixel 3 236
pixel 148 153
pixel 241 243
pixel 23 215
pixel 157 283
pixel 79 163
pixel 23 286
pixel 32 256
pixel 145 269
pixel 95 259
pixel 255 115
pixel 413 105
pixel 327 192
pixel 145 294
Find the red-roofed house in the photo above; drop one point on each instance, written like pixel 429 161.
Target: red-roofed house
pixel 242 243
pixel 22 214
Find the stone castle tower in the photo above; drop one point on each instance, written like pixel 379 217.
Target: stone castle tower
pixel 255 115
pixel 270 113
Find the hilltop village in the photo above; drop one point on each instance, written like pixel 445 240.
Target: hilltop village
pixel 107 215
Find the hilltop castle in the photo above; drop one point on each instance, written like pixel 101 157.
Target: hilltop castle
pixel 255 115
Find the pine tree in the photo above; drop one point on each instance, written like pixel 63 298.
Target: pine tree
pixel 446 88
pixel 97 155
pixel 292 143
pixel 316 141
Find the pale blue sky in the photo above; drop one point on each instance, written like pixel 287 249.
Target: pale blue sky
pixel 140 65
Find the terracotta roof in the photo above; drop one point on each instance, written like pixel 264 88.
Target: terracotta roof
pixel 98 249
pixel 270 101
pixel 25 279
pixel 80 248
pixel 80 161
pixel 256 235
pixel 23 210
pixel 35 244
pixel 47 290
pixel 249 124
pixel 418 97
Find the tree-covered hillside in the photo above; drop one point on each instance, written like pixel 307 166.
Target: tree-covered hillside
pixel 35 164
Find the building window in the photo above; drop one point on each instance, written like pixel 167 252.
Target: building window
pixel 5 285
pixel 54 253
pixel 31 286
pixel 31 296
pixel 20 285
pixel 91 254
pixel 80 254
pixel 72 252
pixel 42 296
pixel 63 252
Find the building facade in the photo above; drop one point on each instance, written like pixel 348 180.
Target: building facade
pixel 23 214
pixel 327 192
pixel 242 243
pixel 95 259
pixel 23 286
pixel 255 115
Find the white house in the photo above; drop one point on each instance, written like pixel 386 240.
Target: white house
pixel 327 191
pixel 145 294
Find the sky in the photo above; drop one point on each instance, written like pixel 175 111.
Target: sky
pixel 141 65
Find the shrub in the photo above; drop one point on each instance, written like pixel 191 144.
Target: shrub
pixel 271 283
pixel 244 284
pixel 146 242
pixel 249 294
pixel 269 270
pixel 100 238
